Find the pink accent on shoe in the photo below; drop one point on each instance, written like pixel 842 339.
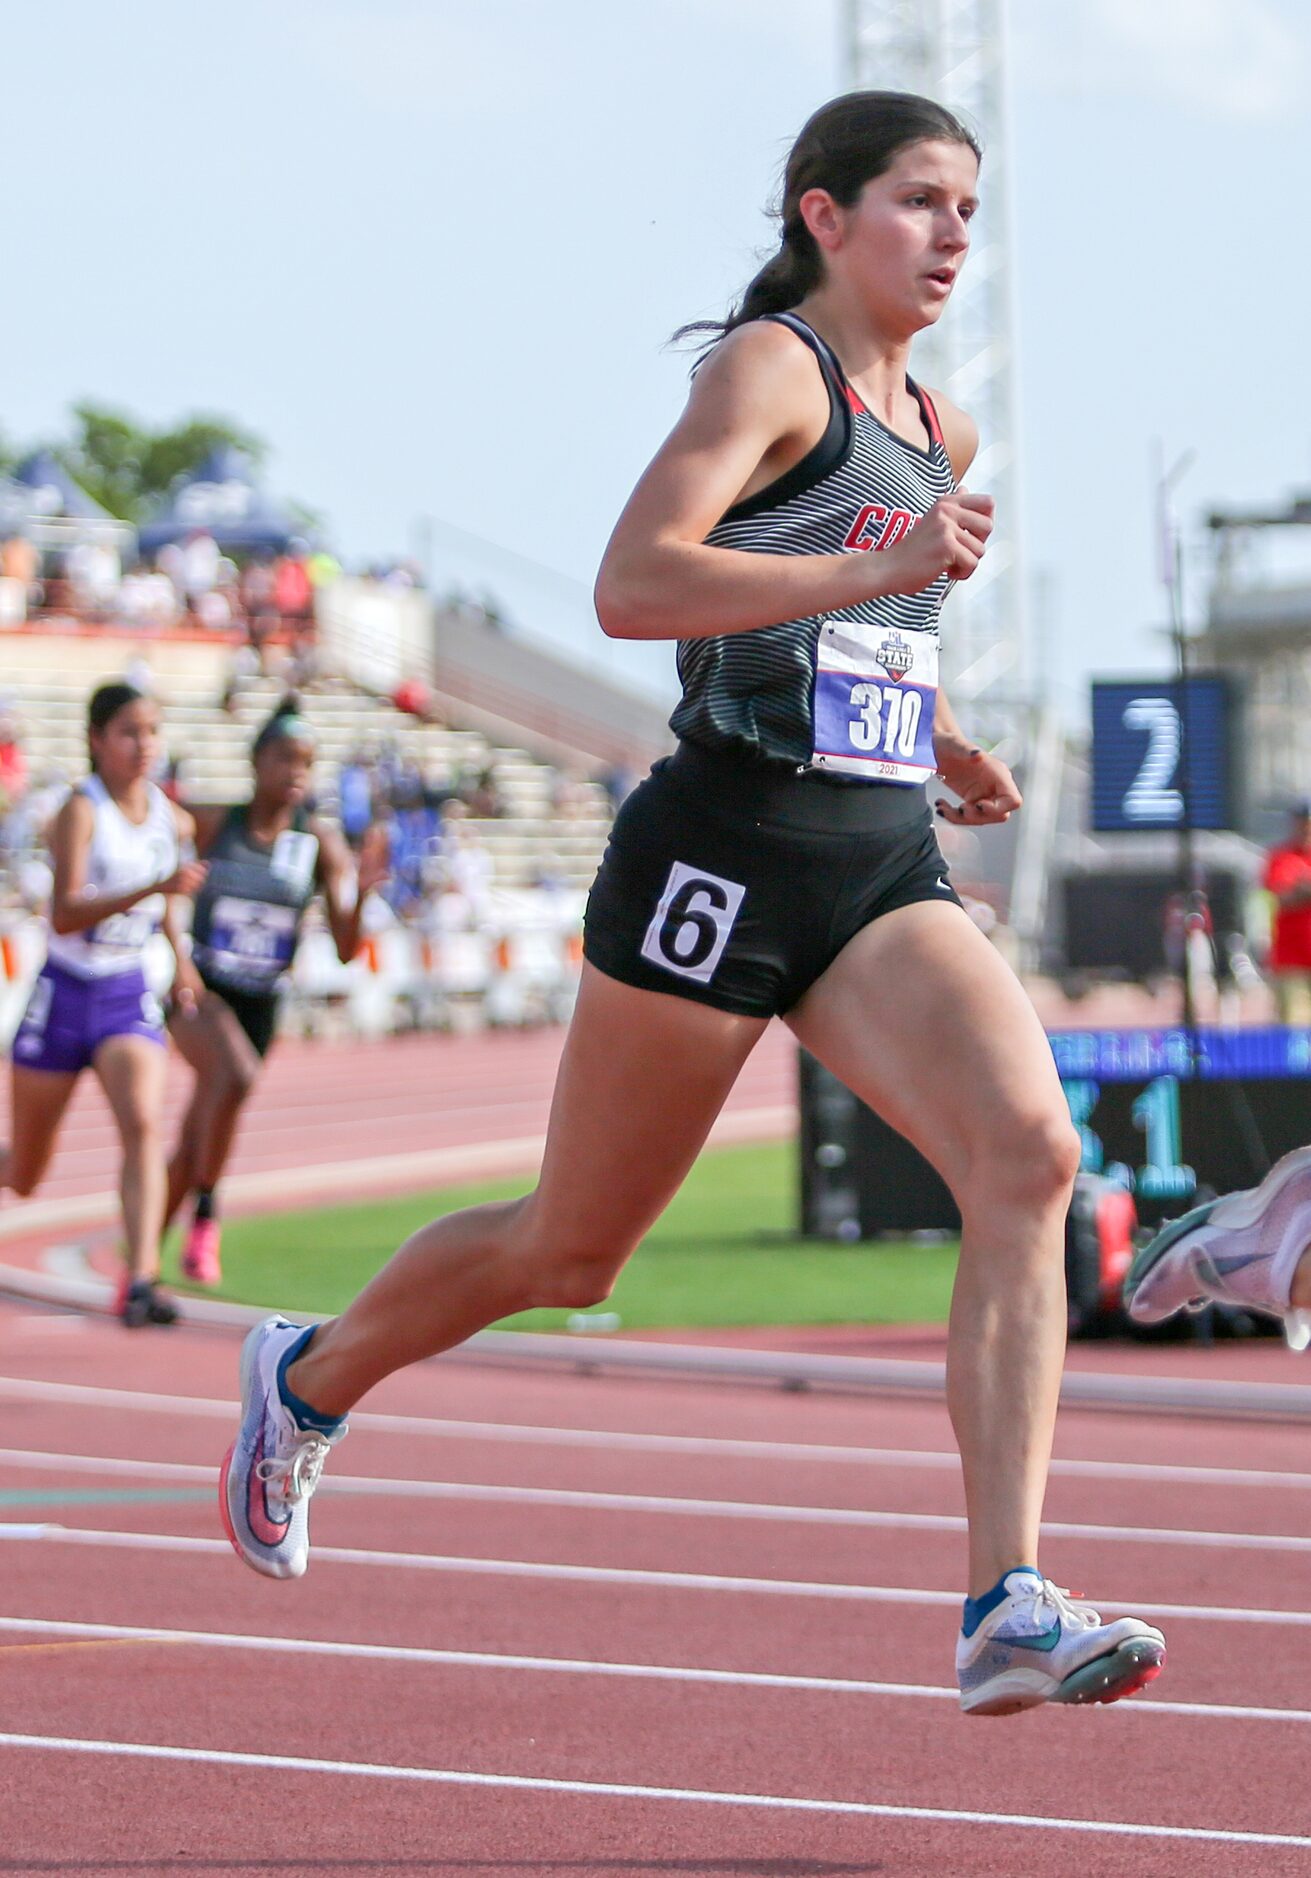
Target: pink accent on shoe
pixel 200 1255
pixel 265 1529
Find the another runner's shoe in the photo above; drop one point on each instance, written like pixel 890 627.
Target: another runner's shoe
pixel 141 1302
pixel 1036 1645
pixel 200 1255
pixel 1243 1250
pixel 273 1466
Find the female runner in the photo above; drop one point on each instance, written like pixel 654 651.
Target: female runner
pixel 267 858
pixel 118 847
pixel 797 535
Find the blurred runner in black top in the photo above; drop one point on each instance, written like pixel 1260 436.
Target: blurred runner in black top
pixel 267 858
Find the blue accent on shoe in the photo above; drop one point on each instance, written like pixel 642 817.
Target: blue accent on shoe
pixel 1149 1256
pixel 301 1412
pixel 976 1609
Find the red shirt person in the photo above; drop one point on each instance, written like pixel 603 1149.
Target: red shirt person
pixel 1288 877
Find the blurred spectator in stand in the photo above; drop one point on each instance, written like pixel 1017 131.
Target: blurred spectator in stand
pixel 470 867
pixel 482 796
pixel 93 568
pixel 134 597
pixel 414 837
pixel 138 673
pixel 13 760
pixel 214 610
pixel 569 796
pixel 414 698
pixel 303 664
pixel 293 591
pixel 20 561
pixel 147 598
pixel 619 783
pixel 198 566
pixel 355 797
pixel 438 783
pixel 323 568
pixel 257 600
pixel 1288 877
pixel 242 667
pixel 58 595
pixel 257 585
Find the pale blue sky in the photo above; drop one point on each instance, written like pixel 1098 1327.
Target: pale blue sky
pixel 432 253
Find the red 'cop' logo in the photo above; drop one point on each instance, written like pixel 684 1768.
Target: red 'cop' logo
pixel 877 527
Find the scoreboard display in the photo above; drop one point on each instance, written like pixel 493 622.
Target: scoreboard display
pixel 1161 1113
pixel 1163 750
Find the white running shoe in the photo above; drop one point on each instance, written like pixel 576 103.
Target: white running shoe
pixel 274 1464
pixel 1242 1250
pixel 1038 1646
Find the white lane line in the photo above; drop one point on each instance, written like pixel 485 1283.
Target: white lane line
pixel 480 1493
pixel 605 1789
pixel 48 1532
pixel 584 1666
pixel 537 1435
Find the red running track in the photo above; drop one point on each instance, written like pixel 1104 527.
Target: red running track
pixel 320 1104
pixel 524 1623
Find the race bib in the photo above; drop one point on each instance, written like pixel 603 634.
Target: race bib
pixel 128 931
pixel 251 938
pixel 875 693
pixel 294 858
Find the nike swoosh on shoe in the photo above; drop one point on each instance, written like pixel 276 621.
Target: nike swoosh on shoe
pixel 1044 1640
pixel 257 1512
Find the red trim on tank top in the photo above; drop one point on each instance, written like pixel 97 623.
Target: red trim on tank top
pixel 930 415
pixel 855 400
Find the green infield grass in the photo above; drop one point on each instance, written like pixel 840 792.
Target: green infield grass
pixel 724 1254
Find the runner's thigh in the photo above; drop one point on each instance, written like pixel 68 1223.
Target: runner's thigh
pixel 642 1078
pixel 211 1040
pixel 131 1071
pixel 922 1019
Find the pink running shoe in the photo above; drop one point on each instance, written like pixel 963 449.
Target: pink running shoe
pixel 200 1255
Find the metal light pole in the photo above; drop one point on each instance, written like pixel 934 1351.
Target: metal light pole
pixel 1171 572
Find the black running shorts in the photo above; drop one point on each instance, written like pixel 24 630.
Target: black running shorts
pixel 255 1011
pixel 737 885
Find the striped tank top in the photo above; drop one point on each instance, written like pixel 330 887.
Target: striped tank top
pixel 850 692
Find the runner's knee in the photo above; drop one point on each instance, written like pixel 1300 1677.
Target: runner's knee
pixel 1031 1162
pixel 238 1079
pixel 140 1134
pixel 563 1267
pixel 575 1280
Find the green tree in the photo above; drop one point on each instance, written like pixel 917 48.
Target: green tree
pixel 128 467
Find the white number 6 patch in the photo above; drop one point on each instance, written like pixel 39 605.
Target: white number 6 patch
pixel 692 923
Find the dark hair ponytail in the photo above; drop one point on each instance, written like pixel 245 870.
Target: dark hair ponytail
pixel 843 146
pixel 288 720
pixel 106 703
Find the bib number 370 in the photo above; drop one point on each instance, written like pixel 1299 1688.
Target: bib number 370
pixel 692 923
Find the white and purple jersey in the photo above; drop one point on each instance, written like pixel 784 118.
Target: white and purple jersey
pixel 123 856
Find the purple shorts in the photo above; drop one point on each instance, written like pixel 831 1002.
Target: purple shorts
pixel 68 1018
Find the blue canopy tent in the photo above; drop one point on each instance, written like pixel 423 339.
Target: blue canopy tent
pixel 223 499
pixel 52 491
pixel 41 500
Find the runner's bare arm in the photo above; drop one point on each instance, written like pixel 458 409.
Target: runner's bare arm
pixel 344 889
pixel 758 398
